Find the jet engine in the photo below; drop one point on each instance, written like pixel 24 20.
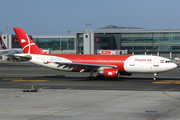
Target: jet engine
pixel 110 72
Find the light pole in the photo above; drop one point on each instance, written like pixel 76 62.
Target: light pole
pixel 69 32
pixel 7 35
pixel 88 25
pixel 6 28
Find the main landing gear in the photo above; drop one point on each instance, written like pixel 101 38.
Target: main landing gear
pixel 91 77
pixel 155 75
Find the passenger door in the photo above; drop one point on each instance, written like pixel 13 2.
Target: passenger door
pixel 132 62
pixel 156 62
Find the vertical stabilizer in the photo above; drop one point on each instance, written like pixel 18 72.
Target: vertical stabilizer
pixel 27 45
pixel 3 46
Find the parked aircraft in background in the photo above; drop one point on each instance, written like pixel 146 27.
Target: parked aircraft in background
pixel 9 52
pixel 106 65
pixel 3 46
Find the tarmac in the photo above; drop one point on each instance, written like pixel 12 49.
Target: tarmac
pixel 69 96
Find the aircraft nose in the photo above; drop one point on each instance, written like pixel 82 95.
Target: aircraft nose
pixel 174 65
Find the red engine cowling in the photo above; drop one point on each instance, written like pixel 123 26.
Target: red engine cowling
pixel 111 72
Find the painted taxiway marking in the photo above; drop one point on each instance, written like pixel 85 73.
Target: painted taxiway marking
pixel 171 108
pixel 100 101
pixel 21 80
pixel 167 82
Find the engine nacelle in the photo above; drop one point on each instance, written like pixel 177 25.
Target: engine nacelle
pixel 111 72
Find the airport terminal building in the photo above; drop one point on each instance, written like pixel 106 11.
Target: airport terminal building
pixel 54 43
pixel 161 42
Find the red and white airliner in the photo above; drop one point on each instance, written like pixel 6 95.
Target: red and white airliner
pixel 106 65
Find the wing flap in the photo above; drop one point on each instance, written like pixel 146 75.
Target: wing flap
pixel 84 64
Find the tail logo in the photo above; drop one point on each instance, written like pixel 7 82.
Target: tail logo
pixel 22 40
pixel 28 45
pixel 2 44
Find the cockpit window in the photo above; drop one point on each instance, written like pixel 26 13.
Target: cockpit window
pixel 168 61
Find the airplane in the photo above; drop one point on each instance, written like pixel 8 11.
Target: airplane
pixel 112 66
pixel 9 52
pixel 3 46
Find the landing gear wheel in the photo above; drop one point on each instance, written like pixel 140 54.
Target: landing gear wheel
pixel 155 75
pixel 100 77
pixel 90 78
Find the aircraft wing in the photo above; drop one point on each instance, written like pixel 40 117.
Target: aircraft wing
pixel 11 51
pixel 82 66
pixel 5 51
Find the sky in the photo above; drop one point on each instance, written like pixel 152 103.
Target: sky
pixel 57 17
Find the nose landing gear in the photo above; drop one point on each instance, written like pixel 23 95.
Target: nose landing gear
pixel 155 75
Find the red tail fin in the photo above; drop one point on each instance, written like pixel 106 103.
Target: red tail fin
pixel 27 45
pixel 3 46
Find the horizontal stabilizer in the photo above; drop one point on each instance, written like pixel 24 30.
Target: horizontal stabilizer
pixel 24 56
